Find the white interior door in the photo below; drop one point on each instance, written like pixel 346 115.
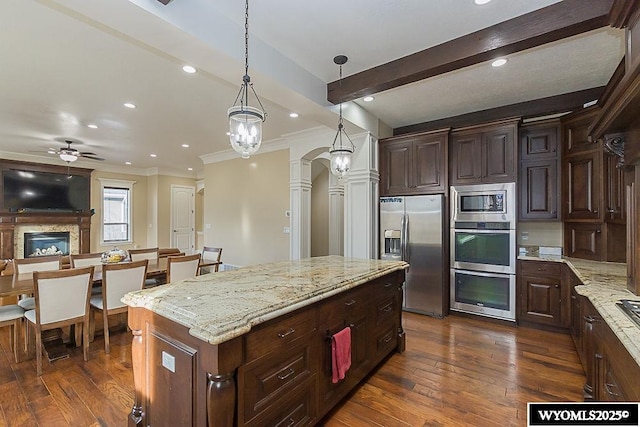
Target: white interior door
pixel 183 218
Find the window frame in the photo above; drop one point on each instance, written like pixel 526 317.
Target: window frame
pixel 121 184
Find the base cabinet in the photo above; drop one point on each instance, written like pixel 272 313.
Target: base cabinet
pixel 279 373
pixel 542 294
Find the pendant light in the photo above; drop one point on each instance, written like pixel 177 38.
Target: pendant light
pixel 341 153
pixel 245 122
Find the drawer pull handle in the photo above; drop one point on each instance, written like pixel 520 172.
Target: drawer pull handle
pixel 284 334
pixel 387 339
pixel 388 285
pixel 607 387
pixel 350 302
pixel 387 309
pixel 283 377
pixel 290 420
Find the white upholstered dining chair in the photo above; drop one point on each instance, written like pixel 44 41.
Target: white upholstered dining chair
pixel 62 299
pixel 210 254
pixel 117 280
pixel 26 266
pixel 182 267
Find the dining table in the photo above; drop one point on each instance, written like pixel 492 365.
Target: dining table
pixel 24 285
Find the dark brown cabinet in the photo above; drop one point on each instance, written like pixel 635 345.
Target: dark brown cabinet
pixel 414 164
pixel 539 186
pixel 541 291
pixel 484 154
pixel 583 240
pixel 593 194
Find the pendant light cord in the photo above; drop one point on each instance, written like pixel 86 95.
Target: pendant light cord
pixel 246 51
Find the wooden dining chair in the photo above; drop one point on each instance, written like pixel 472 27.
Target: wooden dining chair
pixel 210 254
pixel 117 280
pixel 148 253
pixel 62 299
pixel 87 260
pixel 27 266
pixel 182 267
pixel 151 254
pixel 11 315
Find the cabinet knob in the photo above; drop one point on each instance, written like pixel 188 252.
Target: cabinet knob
pixel 595 211
pixel 553 212
pixel 556 286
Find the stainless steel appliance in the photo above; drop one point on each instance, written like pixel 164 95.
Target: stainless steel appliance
pixel 483 250
pixel 484 202
pixel 412 229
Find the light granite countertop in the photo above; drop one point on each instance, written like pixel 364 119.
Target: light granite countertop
pixel 217 307
pixel 605 284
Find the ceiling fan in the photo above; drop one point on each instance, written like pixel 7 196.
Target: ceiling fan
pixel 69 154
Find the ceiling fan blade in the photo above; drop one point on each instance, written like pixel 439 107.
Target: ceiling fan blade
pixel 88 153
pixel 91 156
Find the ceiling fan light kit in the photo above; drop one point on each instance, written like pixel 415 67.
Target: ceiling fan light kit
pixel 245 122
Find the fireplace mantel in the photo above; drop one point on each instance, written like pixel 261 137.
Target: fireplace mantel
pixel 10 220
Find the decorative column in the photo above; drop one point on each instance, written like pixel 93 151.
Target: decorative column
pixel 336 216
pixel 300 199
pixel 362 197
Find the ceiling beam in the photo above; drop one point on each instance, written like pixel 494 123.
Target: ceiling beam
pixel 560 20
pixel 529 109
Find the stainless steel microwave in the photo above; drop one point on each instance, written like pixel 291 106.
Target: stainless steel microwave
pixel 484 202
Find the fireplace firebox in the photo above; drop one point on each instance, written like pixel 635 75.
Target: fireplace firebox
pixel 46 243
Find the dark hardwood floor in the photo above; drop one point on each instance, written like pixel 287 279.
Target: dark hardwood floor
pixel 454 372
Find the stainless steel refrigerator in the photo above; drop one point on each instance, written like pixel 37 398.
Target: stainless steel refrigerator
pixel 412 229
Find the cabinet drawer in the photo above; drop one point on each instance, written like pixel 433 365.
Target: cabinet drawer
pixel 538 268
pixel 386 311
pixel 385 341
pixel 295 409
pixel 267 380
pixel 280 334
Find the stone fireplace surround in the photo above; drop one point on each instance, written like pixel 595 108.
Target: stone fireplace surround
pixel 13 225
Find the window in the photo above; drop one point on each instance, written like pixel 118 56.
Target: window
pixel 116 211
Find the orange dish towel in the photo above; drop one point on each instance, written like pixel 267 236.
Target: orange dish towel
pixel 340 354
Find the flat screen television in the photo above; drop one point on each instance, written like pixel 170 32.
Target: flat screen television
pixel 44 191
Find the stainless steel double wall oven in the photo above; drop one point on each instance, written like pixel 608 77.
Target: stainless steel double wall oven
pixel 483 250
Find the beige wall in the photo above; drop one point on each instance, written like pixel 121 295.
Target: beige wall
pixel 320 214
pixel 540 233
pixel 139 220
pixel 245 203
pixel 151 209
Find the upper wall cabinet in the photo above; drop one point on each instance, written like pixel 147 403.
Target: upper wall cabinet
pixel 484 154
pixel 539 183
pixel 414 164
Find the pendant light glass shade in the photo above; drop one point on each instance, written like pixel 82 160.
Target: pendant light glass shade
pixel 245 129
pixel 245 122
pixel 341 153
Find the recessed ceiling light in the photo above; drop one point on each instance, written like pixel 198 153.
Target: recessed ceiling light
pixel 51 152
pixel 228 133
pixel 127 163
pixel 189 169
pixel 185 145
pixel 499 62
pixel 368 98
pixel 293 115
pixel 92 126
pixel 481 2
pixel 129 105
pixel 188 69
pixel 153 155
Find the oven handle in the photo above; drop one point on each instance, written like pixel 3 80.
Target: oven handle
pixel 482 273
pixel 483 230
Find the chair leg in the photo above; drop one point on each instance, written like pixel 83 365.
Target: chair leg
pixel 105 318
pixel 92 324
pixel 85 340
pixel 16 340
pixel 38 352
pixel 78 333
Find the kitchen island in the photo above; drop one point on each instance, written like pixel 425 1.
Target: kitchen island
pixel 253 346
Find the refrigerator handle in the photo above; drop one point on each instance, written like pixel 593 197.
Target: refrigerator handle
pixel 404 237
pixel 407 247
